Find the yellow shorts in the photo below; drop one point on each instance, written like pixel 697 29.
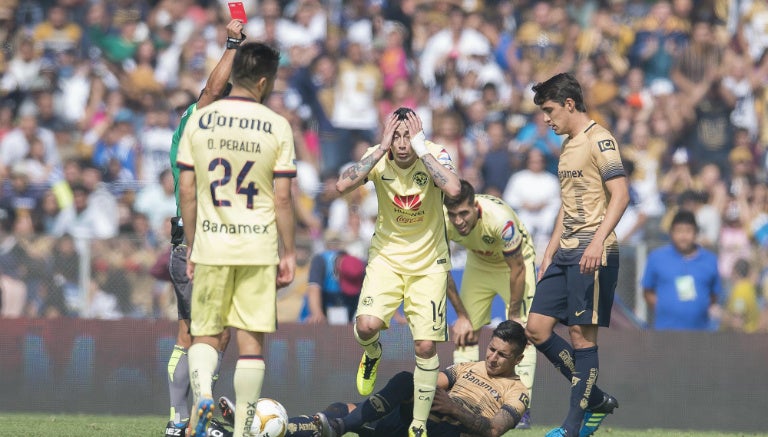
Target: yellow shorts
pixel 244 297
pixel 480 287
pixel 423 299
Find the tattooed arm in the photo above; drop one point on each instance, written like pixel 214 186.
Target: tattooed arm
pixel 476 424
pixel 356 175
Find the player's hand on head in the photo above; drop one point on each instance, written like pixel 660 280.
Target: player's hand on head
pixel 413 124
pixel 389 132
pixel 235 29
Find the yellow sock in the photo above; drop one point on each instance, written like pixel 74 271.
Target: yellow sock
pixel 372 347
pixel 424 383
pixel 249 377
pixel 465 354
pixel 202 363
pixel 526 369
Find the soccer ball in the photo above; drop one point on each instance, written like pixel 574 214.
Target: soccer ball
pixel 270 419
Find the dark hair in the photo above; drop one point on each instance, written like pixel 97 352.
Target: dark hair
pixel 558 88
pixel 252 62
pixel 512 333
pixel 684 218
pixel 741 268
pixel 402 113
pixel 467 192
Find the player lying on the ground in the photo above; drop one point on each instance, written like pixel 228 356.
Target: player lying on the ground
pixel 484 398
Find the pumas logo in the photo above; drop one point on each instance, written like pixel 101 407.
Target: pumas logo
pixel 508 231
pixel 410 202
pixel 420 178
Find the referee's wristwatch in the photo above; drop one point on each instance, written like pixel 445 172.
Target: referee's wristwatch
pixel 233 43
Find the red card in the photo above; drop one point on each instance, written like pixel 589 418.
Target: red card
pixel 237 11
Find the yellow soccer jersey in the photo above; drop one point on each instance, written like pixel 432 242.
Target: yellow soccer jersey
pixel 236 147
pixel 410 234
pixel 587 160
pixel 498 233
pixel 484 395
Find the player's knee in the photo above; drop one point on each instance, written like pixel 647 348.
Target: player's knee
pixel 366 328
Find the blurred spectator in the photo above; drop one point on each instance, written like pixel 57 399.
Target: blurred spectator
pixel 157 200
pixel 22 69
pixel 536 134
pixel 496 164
pixel 742 310
pixel 658 38
pixel 537 208
pixel 154 142
pixel 681 285
pixel 58 33
pixel 16 144
pixel 545 40
pixel 89 216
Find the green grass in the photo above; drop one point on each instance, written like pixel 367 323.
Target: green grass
pixel 47 425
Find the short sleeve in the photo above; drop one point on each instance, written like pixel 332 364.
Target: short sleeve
pixel 285 166
pixel 607 157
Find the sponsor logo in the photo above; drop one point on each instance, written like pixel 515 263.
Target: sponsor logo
pixel 579 313
pixel 214 119
pixel 606 145
pixel 442 261
pixel 487 239
pixel 378 404
pixel 411 202
pixel 249 416
pixel 525 400
pixel 384 178
pixel 420 178
pixel 565 174
pixel 575 380
pixel 508 231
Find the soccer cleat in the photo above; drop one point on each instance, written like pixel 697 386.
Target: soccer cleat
pixel 366 374
pixel 175 430
pixel 417 432
pixel 327 428
pixel 217 429
pixel 227 409
pixel 204 412
pixel 557 432
pixel 525 421
pixel 594 416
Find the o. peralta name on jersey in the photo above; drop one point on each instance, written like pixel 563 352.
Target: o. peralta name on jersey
pixel 212 120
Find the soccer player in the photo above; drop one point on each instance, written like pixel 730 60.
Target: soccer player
pixel 579 269
pixel 408 259
pixel 178 364
pixel 236 158
pixel 500 260
pixel 477 398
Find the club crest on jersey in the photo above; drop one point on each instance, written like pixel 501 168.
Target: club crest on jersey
pixel 508 232
pixel 420 178
pixel 488 239
pixel 606 145
pixel 367 301
pixel 411 202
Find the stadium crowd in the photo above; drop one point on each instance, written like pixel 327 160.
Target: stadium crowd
pixel 91 92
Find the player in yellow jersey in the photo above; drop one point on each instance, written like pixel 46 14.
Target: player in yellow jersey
pixel 500 260
pixel 580 267
pixel 408 261
pixel 237 159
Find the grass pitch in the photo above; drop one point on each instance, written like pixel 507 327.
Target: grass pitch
pixel 46 425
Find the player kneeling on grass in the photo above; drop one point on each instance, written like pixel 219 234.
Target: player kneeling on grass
pixel 484 398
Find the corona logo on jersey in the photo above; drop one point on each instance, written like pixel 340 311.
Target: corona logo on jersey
pixel 407 209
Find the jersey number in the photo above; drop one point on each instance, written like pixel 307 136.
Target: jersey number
pixel 249 190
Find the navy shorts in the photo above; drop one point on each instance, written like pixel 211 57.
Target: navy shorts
pixel 576 299
pixel 182 286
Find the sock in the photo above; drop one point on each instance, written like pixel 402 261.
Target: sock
pixel 560 353
pixel 301 426
pixel 424 383
pixel 399 389
pixel 526 369
pixel 178 384
pixel 336 410
pixel 218 368
pixel 202 363
pixel 584 379
pixel 249 377
pixel 465 354
pixel 372 347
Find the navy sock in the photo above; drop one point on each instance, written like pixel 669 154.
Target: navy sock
pixel 584 382
pixel 398 389
pixel 560 353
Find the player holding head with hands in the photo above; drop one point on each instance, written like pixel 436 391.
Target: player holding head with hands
pixel 237 159
pixel 579 270
pixel 408 259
